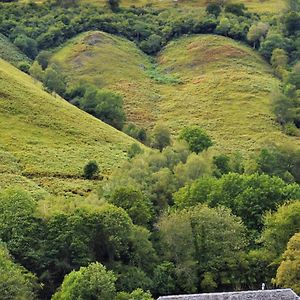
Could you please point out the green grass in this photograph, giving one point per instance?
(259, 6)
(226, 91)
(112, 62)
(221, 85)
(45, 141)
(11, 53)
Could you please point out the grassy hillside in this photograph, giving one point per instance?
(114, 63)
(225, 86)
(46, 141)
(226, 90)
(11, 53)
(260, 6)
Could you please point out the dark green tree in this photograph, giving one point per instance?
(114, 4)
(161, 137)
(104, 105)
(27, 45)
(91, 170)
(197, 139)
(214, 9)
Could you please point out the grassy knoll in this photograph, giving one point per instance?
(223, 86)
(226, 90)
(11, 53)
(45, 141)
(112, 62)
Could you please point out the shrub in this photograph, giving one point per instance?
(213, 9)
(27, 45)
(24, 67)
(134, 150)
(91, 170)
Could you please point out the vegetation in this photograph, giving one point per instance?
(91, 282)
(48, 141)
(287, 273)
(199, 193)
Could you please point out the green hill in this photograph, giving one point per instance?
(113, 62)
(225, 86)
(45, 141)
(11, 53)
(259, 6)
(226, 90)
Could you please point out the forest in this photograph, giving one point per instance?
(102, 194)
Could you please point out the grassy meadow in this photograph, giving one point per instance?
(219, 84)
(45, 141)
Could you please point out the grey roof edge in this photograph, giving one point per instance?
(179, 297)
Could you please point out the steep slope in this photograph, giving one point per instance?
(224, 86)
(112, 62)
(10, 52)
(226, 90)
(47, 141)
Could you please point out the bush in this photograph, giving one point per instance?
(91, 282)
(134, 150)
(26, 45)
(197, 139)
(213, 9)
(152, 45)
(24, 67)
(161, 137)
(104, 105)
(136, 132)
(91, 170)
(237, 9)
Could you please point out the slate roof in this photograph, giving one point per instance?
(280, 294)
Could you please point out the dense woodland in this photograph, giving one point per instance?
(177, 217)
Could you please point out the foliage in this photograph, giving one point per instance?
(288, 272)
(91, 170)
(114, 4)
(91, 282)
(132, 200)
(15, 281)
(197, 138)
(161, 137)
(280, 226)
(19, 228)
(105, 105)
(43, 59)
(53, 80)
(27, 45)
(213, 9)
(134, 150)
(164, 278)
(204, 240)
(257, 32)
(137, 294)
(282, 161)
(139, 133)
(10, 53)
(249, 196)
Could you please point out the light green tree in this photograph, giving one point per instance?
(288, 273)
(16, 283)
(88, 283)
